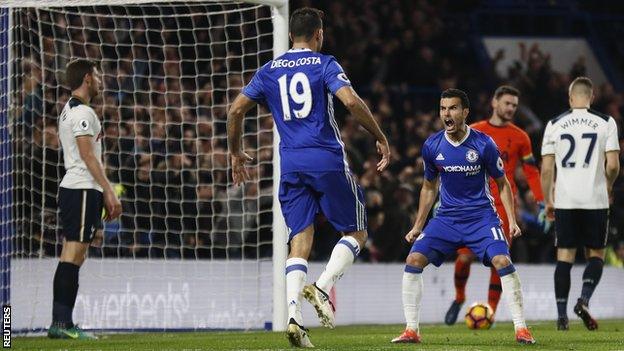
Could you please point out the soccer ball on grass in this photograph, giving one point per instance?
(479, 316)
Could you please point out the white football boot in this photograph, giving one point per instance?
(320, 300)
(298, 335)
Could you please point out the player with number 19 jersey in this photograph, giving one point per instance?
(298, 88)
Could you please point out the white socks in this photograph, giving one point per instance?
(412, 289)
(342, 257)
(512, 292)
(296, 271)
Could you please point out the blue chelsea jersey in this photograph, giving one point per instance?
(464, 168)
(298, 88)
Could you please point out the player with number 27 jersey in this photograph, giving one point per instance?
(579, 139)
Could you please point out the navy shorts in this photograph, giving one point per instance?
(304, 194)
(81, 213)
(442, 236)
(588, 228)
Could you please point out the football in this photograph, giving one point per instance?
(479, 316)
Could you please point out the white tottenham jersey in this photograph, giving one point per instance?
(78, 119)
(579, 139)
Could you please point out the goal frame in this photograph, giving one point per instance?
(279, 18)
(6, 180)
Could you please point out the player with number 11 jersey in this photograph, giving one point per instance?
(458, 163)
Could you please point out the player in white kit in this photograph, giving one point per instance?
(83, 192)
(582, 144)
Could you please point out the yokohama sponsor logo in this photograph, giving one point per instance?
(470, 168)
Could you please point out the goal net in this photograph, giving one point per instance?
(191, 250)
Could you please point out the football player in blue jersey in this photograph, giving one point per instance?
(458, 161)
(298, 88)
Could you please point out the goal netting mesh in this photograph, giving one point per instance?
(191, 250)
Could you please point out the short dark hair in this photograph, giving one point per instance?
(506, 90)
(585, 82)
(305, 21)
(456, 93)
(76, 70)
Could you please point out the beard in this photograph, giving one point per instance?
(94, 91)
(504, 115)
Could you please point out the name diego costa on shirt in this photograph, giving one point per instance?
(302, 61)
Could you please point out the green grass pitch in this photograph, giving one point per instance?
(610, 336)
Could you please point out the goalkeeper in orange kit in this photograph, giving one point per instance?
(514, 145)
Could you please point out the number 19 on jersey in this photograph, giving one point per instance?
(299, 92)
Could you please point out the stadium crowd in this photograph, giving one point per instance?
(164, 106)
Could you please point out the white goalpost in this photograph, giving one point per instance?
(191, 250)
(280, 250)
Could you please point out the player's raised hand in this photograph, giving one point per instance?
(514, 230)
(384, 150)
(412, 235)
(112, 205)
(239, 171)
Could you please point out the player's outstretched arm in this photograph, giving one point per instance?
(235, 117)
(548, 175)
(529, 167)
(111, 202)
(362, 114)
(428, 195)
(506, 195)
(531, 172)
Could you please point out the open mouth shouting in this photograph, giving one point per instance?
(449, 124)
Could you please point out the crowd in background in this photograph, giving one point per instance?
(167, 86)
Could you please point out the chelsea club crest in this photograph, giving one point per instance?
(472, 156)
